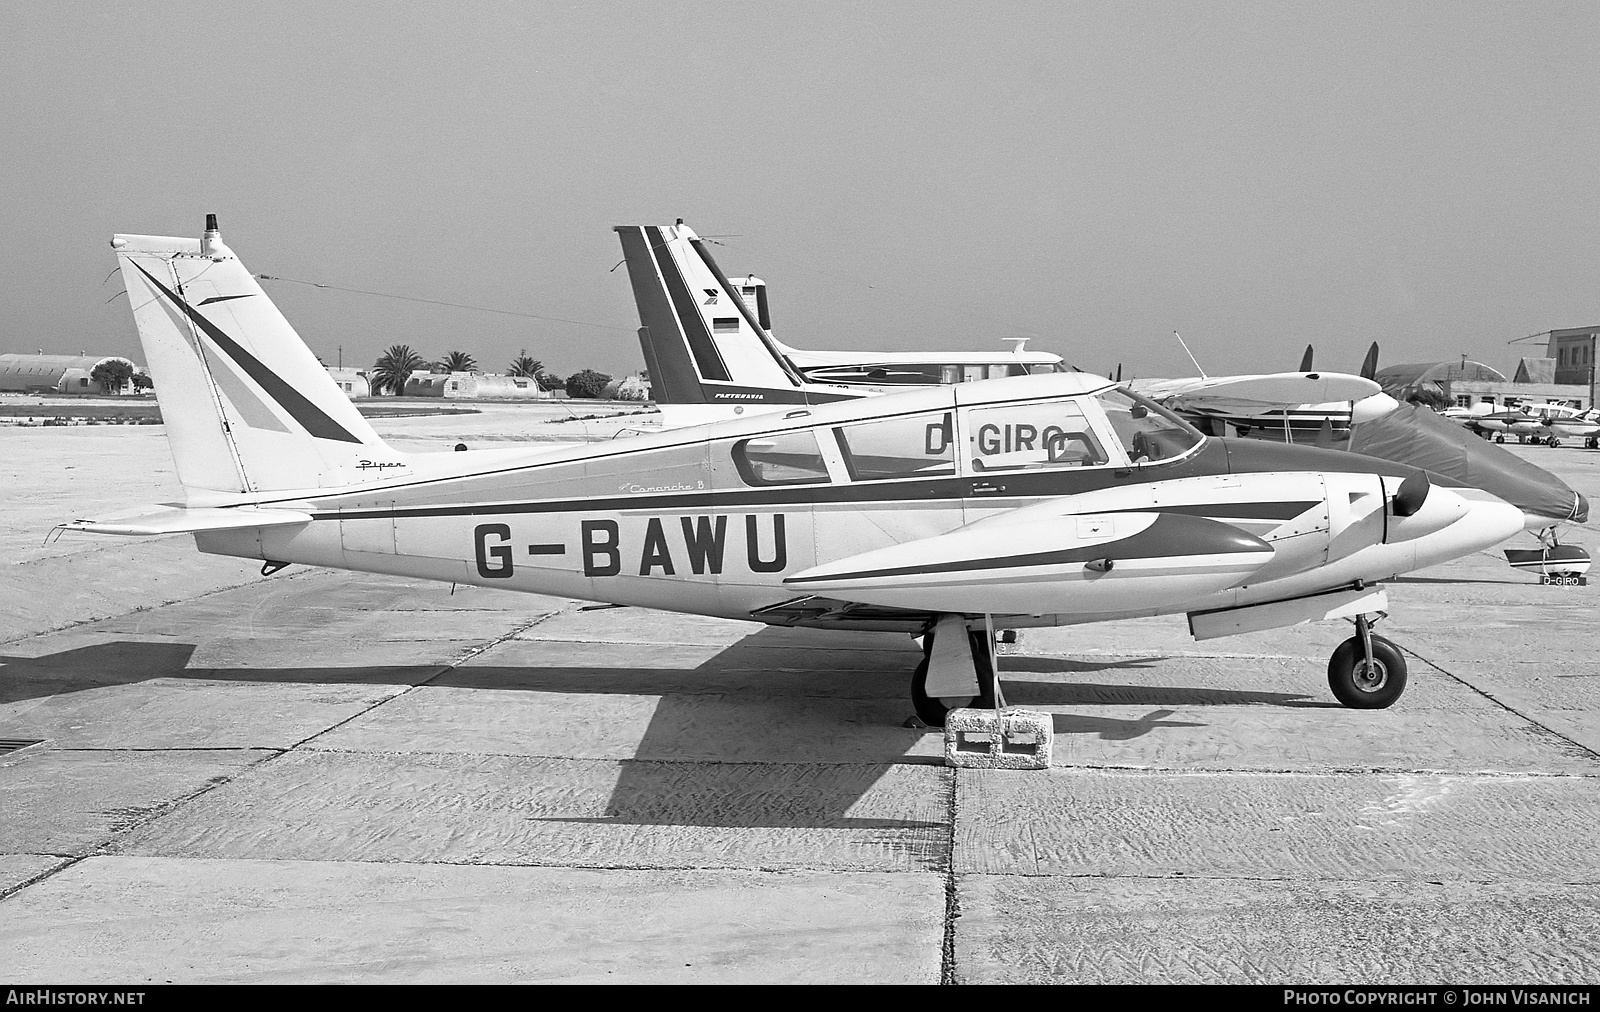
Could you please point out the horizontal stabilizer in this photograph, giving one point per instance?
(1282, 389)
(180, 520)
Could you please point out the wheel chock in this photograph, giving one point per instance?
(998, 739)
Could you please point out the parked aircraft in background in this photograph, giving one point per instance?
(943, 511)
(708, 344)
(701, 370)
(1542, 423)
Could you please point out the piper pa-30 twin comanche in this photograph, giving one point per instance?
(944, 512)
(711, 356)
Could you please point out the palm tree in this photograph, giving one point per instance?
(459, 361)
(525, 365)
(394, 367)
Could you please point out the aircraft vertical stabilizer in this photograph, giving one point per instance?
(247, 406)
(701, 341)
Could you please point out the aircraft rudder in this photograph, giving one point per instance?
(247, 405)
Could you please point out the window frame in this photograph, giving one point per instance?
(846, 455)
(1095, 420)
(743, 467)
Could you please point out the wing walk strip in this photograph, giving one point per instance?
(310, 417)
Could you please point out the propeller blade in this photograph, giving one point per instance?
(1369, 365)
(1305, 360)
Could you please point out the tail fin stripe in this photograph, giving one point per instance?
(706, 357)
(310, 417)
(744, 309)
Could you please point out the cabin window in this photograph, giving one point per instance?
(906, 446)
(785, 458)
(1146, 430)
(949, 374)
(1038, 435)
(725, 324)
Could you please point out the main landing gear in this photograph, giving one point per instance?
(1367, 672)
(955, 688)
(931, 709)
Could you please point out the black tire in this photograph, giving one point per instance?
(1500, 437)
(931, 710)
(1554, 441)
(1592, 443)
(1355, 688)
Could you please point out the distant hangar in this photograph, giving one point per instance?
(61, 374)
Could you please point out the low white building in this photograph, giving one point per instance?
(62, 374)
(353, 382)
(474, 386)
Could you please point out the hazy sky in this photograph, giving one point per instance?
(1256, 176)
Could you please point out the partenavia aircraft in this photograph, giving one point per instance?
(943, 512)
(708, 363)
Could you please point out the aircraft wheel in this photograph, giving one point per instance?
(1554, 441)
(1592, 443)
(930, 709)
(1361, 688)
(1500, 438)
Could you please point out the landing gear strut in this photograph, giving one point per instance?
(931, 710)
(1367, 672)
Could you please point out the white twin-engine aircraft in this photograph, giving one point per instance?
(944, 512)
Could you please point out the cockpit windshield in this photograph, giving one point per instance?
(1147, 431)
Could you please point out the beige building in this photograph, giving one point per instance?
(1574, 353)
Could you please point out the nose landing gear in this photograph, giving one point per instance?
(1367, 672)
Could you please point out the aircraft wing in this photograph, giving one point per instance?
(153, 520)
(1254, 392)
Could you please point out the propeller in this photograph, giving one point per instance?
(1305, 360)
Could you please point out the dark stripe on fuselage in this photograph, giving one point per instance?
(310, 417)
(1031, 486)
(1215, 457)
(701, 346)
(1169, 537)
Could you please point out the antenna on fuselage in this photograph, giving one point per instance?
(1186, 351)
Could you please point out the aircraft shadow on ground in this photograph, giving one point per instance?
(813, 706)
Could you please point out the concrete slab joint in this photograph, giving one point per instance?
(998, 739)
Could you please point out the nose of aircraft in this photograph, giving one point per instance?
(1416, 436)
